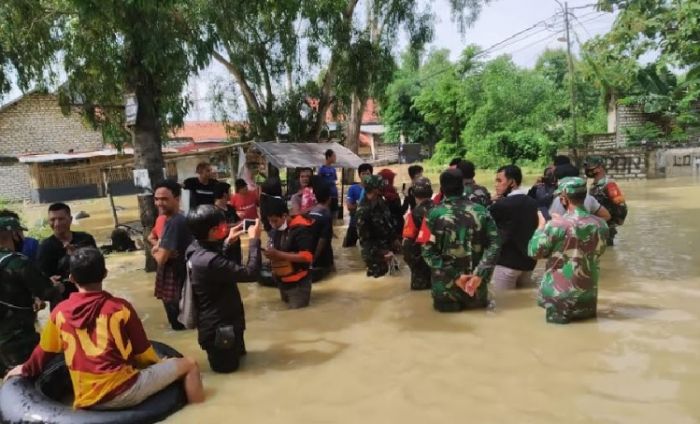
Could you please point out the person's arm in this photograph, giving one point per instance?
(491, 251)
(603, 213)
(50, 345)
(296, 204)
(143, 353)
(542, 243)
(612, 190)
(39, 284)
(304, 245)
(231, 268)
(432, 250)
(325, 238)
(46, 259)
(168, 243)
(350, 200)
(153, 238)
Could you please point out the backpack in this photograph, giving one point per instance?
(189, 313)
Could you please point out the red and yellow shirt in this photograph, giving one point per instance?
(104, 344)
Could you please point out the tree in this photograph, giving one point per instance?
(666, 28)
(107, 49)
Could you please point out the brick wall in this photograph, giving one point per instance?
(601, 141)
(629, 116)
(35, 124)
(625, 163)
(14, 179)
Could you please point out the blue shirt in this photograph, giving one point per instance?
(329, 175)
(355, 193)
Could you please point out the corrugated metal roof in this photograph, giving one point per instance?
(300, 155)
(58, 157)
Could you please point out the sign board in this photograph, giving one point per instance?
(141, 179)
(131, 108)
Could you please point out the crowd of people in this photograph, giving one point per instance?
(458, 243)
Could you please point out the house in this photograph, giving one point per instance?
(35, 124)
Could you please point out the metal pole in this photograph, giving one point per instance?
(571, 80)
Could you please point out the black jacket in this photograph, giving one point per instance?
(516, 218)
(214, 281)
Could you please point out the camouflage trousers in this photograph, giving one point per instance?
(16, 347)
(420, 271)
(563, 310)
(448, 297)
(373, 256)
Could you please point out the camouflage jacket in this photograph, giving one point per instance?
(463, 240)
(573, 246)
(20, 283)
(608, 194)
(375, 223)
(477, 194)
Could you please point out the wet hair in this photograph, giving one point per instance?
(329, 153)
(6, 213)
(87, 266)
(171, 185)
(57, 207)
(201, 220)
(277, 207)
(576, 198)
(566, 170)
(455, 161)
(365, 167)
(322, 190)
(451, 183)
(201, 166)
(467, 168)
(512, 172)
(561, 160)
(221, 189)
(414, 170)
(240, 184)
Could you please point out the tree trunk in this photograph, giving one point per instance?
(324, 103)
(357, 108)
(148, 155)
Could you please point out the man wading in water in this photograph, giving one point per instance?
(462, 249)
(607, 193)
(573, 244)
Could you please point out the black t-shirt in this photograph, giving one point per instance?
(516, 218)
(176, 238)
(200, 194)
(53, 258)
(322, 228)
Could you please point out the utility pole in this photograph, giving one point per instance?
(571, 80)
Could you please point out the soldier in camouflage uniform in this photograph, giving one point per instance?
(20, 283)
(462, 249)
(416, 234)
(375, 228)
(473, 191)
(607, 193)
(573, 244)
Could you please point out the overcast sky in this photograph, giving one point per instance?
(497, 22)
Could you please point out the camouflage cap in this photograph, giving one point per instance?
(10, 224)
(571, 185)
(373, 182)
(422, 187)
(593, 162)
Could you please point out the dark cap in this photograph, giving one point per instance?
(10, 224)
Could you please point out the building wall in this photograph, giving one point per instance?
(679, 162)
(628, 116)
(14, 179)
(626, 163)
(35, 124)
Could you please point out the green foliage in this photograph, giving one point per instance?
(491, 112)
(643, 133)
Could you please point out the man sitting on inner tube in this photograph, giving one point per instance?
(101, 370)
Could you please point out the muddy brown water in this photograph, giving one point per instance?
(373, 351)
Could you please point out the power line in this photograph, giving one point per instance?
(517, 34)
(547, 38)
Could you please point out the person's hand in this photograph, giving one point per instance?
(541, 220)
(70, 248)
(14, 372)
(461, 281)
(254, 231)
(472, 284)
(271, 253)
(235, 233)
(154, 249)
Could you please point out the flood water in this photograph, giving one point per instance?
(372, 351)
